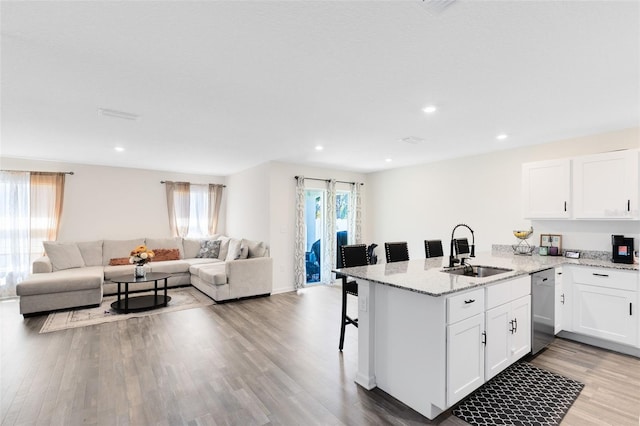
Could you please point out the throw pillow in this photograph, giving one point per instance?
(166, 243)
(224, 247)
(118, 248)
(117, 261)
(166, 254)
(91, 252)
(63, 255)
(233, 252)
(209, 249)
(256, 248)
(244, 252)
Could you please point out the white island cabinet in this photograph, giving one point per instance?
(429, 350)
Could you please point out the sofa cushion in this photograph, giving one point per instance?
(117, 271)
(169, 266)
(63, 255)
(166, 243)
(234, 250)
(118, 248)
(256, 248)
(165, 254)
(209, 249)
(213, 274)
(224, 247)
(91, 252)
(61, 281)
(191, 247)
(201, 261)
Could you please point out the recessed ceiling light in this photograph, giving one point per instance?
(119, 149)
(429, 109)
(502, 136)
(319, 147)
(388, 160)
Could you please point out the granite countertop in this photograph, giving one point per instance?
(426, 276)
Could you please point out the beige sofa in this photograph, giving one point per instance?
(76, 274)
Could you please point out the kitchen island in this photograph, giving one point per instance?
(429, 338)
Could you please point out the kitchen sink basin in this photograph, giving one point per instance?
(477, 271)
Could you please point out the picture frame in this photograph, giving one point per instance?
(553, 242)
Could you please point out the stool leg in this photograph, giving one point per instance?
(343, 321)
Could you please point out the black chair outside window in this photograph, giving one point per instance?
(351, 255)
(433, 248)
(396, 252)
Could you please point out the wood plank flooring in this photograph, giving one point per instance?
(271, 360)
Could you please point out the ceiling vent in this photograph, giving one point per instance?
(436, 7)
(413, 140)
(118, 114)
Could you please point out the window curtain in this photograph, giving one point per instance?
(178, 199)
(299, 266)
(15, 247)
(215, 199)
(46, 198)
(329, 242)
(198, 211)
(355, 214)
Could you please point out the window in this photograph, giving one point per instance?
(193, 209)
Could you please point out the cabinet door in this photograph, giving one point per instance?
(498, 339)
(465, 358)
(521, 337)
(546, 189)
(605, 186)
(607, 313)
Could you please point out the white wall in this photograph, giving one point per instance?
(112, 202)
(248, 204)
(427, 201)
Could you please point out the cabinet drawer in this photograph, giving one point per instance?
(603, 277)
(507, 291)
(465, 305)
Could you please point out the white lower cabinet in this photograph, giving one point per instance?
(508, 335)
(605, 304)
(465, 366)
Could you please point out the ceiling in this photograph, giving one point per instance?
(219, 87)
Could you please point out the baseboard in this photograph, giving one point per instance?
(601, 343)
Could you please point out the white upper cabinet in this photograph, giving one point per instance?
(546, 189)
(605, 186)
(600, 186)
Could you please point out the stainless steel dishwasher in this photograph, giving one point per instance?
(542, 309)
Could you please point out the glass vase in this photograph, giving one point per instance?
(139, 271)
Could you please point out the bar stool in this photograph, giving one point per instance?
(396, 252)
(352, 255)
(433, 248)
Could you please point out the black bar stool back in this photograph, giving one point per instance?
(433, 248)
(352, 255)
(396, 252)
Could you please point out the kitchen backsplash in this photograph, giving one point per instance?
(584, 254)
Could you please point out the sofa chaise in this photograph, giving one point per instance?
(77, 274)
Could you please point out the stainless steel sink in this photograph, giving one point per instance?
(477, 271)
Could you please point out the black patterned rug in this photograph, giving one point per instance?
(522, 395)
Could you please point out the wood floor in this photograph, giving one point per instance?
(271, 360)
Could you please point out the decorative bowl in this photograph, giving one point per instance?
(523, 235)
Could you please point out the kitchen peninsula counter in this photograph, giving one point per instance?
(426, 276)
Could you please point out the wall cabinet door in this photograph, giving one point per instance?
(465, 358)
(546, 189)
(508, 337)
(605, 186)
(607, 313)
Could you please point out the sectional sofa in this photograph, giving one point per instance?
(75, 274)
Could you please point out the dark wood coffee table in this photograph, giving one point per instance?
(140, 303)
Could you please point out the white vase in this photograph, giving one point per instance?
(139, 271)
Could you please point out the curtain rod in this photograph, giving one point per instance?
(327, 180)
(224, 186)
(35, 171)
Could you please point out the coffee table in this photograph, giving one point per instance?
(140, 303)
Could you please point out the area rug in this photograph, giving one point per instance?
(521, 395)
(181, 299)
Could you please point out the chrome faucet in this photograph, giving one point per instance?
(454, 259)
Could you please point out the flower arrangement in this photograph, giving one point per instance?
(141, 255)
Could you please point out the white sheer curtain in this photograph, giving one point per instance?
(299, 265)
(329, 237)
(198, 211)
(355, 214)
(47, 196)
(15, 247)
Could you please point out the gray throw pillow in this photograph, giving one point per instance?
(209, 249)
